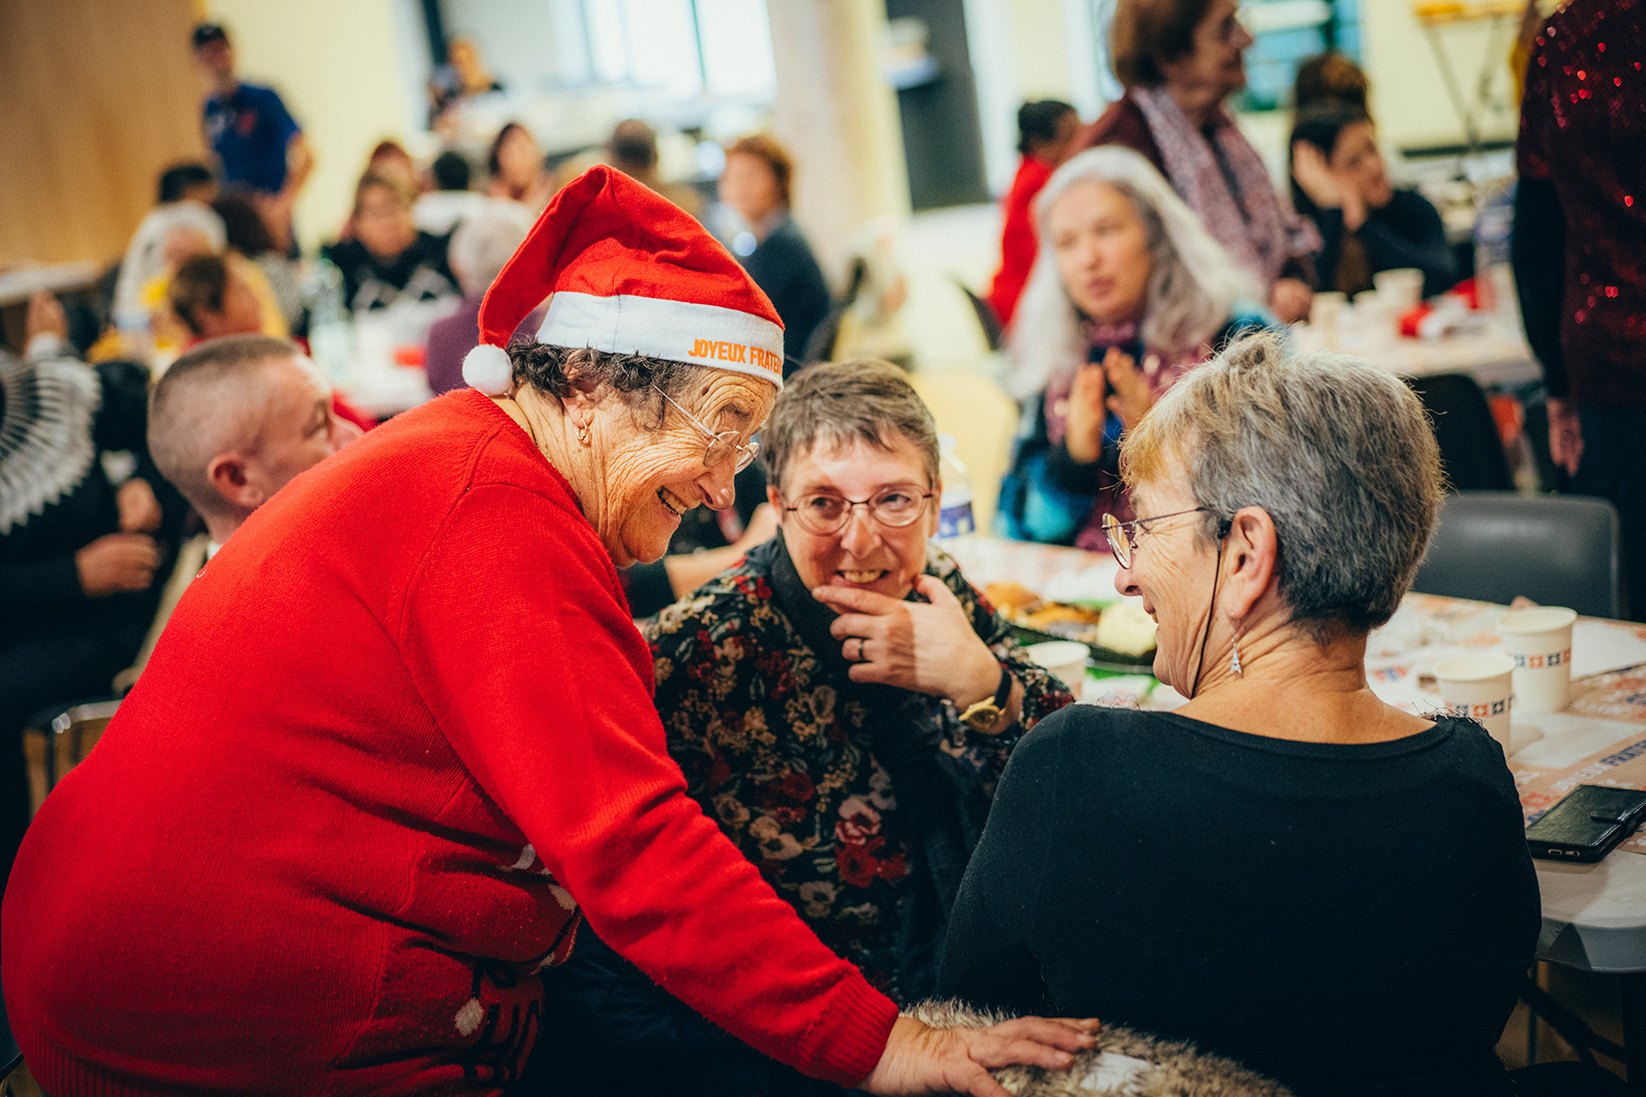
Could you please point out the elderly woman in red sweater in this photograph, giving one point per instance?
(398, 740)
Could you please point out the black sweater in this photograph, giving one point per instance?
(1408, 232)
(1346, 919)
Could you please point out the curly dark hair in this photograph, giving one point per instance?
(555, 371)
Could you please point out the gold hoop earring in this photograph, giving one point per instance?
(583, 433)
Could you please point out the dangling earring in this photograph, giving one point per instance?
(583, 433)
(1234, 658)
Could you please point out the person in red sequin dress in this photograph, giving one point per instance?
(1580, 252)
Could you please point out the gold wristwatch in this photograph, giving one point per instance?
(983, 715)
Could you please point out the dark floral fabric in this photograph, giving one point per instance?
(783, 755)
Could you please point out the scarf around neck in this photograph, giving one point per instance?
(1259, 230)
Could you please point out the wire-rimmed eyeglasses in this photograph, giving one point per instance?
(722, 443)
(894, 506)
(1123, 535)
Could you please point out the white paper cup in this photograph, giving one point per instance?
(1540, 643)
(1324, 311)
(1399, 289)
(1481, 688)
(1064, 658)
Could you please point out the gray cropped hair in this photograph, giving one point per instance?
(1338, 452)
(485, 241)
(1193, 284)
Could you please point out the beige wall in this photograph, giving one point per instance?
(1409, 98)
(840, 118)
(86, 128)
(340, 67)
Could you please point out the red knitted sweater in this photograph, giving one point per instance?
(394, 728)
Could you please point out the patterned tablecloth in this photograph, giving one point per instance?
(1599, 739)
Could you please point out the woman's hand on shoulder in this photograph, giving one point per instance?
(929, 648)
(922, 1059)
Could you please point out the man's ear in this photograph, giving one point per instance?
(775, 498)
(228, 475)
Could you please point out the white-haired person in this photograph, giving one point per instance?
(1286, 870)
(1127, 294)
(1180, 61)
(479, 247)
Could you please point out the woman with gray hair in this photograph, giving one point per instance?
(1286, 870)
(1128, 293)
(842, 702)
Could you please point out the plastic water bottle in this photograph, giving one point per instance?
(1493, 224)
(331, 331)
(136, 335)
(954, 516)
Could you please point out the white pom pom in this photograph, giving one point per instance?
(488, 369)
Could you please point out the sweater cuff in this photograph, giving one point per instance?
(847, 1041)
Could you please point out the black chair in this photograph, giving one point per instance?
(993, 330)
(1470, 448)
(1558, 550)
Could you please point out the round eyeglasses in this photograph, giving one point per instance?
(894, 507)
(722, 443)
(1123, 535)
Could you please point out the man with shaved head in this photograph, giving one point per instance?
(234, 419)
(229, 423)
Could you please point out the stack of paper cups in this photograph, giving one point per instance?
(1540, 643)
(1481, 688)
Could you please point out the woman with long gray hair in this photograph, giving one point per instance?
(1127, 294)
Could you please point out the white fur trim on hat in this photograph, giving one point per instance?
(488, 369)
(680, 331)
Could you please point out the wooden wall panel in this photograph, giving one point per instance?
(96, 98)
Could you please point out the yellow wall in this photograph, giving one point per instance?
(340, 67)
(1409, 97)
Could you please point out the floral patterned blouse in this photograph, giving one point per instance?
(797, 762)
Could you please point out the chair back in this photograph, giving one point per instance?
(1471, 450)
(993, 330)
(982, 418)
(57, 740)
(1557, 550)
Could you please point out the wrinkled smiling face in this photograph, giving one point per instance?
(1172, 571)
(863, 553)
(647, 479)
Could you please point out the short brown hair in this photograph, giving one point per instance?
(1149, 33)
(1329, 78)
(861, 398)
(199, 284)
(777, 158)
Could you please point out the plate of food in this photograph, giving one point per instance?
(1119, 633)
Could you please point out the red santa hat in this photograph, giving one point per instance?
(627, 272)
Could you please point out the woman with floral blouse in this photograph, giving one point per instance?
(842, 702)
